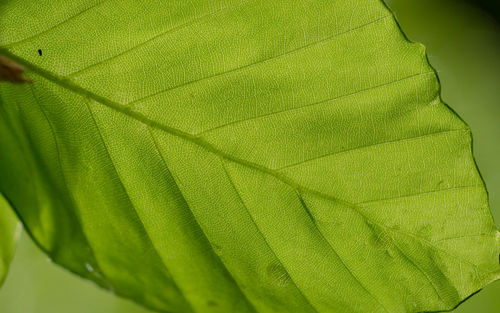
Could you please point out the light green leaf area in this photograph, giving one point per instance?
(9, 235)
(242, 156)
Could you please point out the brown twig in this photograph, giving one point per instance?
(12, 72)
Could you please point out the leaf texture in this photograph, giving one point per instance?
(242, 156)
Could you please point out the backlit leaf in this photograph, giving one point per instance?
(242, 156)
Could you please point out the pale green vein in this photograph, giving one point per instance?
(246, 66)
(418, 194)
(262, 235)
(160, 35)
(65, 184)
(324, 101)
(13, 44)
(406, 139)
(143, 227)
(415, 265)
(344, 264)
(196, 220)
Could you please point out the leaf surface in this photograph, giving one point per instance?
(242, 156)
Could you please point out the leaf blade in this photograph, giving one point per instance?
(286, 156)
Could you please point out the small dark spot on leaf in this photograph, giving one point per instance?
(211, 303)
(40, 52)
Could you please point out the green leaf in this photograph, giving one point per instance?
(242, 156)
(9, 235)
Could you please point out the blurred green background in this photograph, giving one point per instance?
(463, 43)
